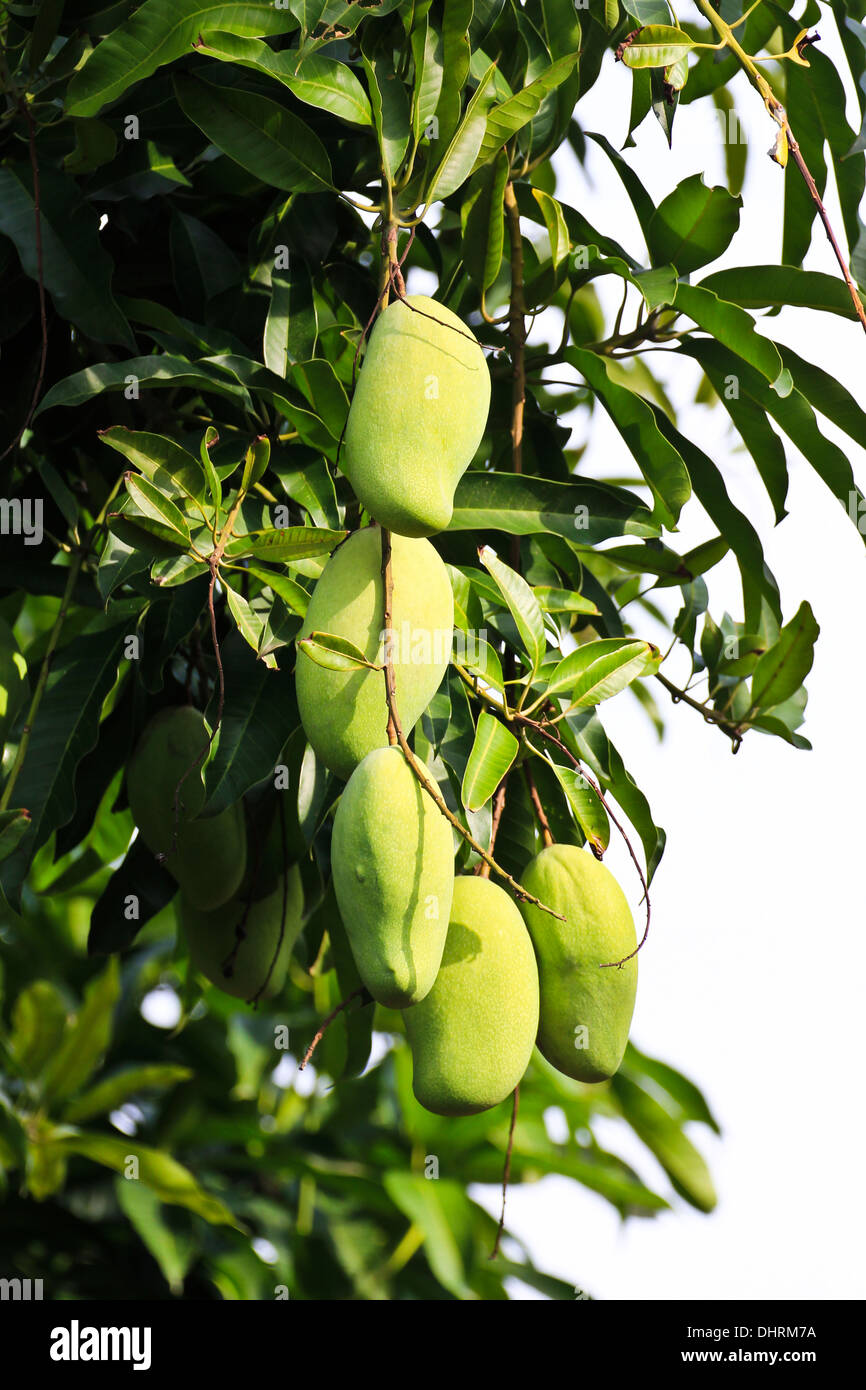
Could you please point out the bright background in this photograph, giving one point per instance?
(752, 978)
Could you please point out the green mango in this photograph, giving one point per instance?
(472, 1036)
(211, 938)
(417, 416)
(392, 860)
(345, 713)
(206, 857)
(585, 1011)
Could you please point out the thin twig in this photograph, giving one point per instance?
(506, 1172)
(546, 833)
(483, 870)
(326, 1023)
(732, 731)
(421, 772)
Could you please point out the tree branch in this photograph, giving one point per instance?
(546, 833)
(779, 115)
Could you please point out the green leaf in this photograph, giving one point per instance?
(286, 544)
(258, 134)
(13, 680)
(793, 413)
(67, 727)
(775, 286)
(321, 82)
(684, 1096)
(76, 269)
(256, 461)
(167, 1178)
(685, 1167)
(153, 503)
(173, 1252)
(522, 603)
(693, 225)
(583, 511)
(259, 714)
(588, 810)
(335, 653)
(139, 882)
(660, 463)
(640, 200)
(170, 468)
(86, 1038)
(484, 224)
(600, 669)
(38, 1025)
(656, 46)
(563, 600)
(554, 221)
(648, 11)
(319, 384)
(158, 32)
(209, 440)
(111, 1093)
(291, 327)
(459, 159)
(435, 1208)
(709, 485)
(95, 145)
(427, 55)
(782, 669)
(732, 326)
(143, 372)
(508, 117)
(249, 621)
(831, 399)
(664, 97)
(293, 595)
(390, 107)
(493, 752)
(13, 827)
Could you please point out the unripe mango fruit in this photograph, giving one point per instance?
(585, 1011)
(345, 713)
(392, 860)
(207, 857)
(211, 938)
(417, 416)
(472, 1036)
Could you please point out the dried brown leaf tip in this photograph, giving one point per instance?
(626, 43)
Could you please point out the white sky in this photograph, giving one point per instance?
(751, 981)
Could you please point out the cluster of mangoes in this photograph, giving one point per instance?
(454, 953)
(480, 979)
